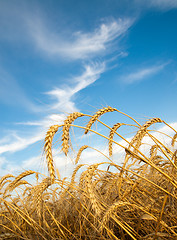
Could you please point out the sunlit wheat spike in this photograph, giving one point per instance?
(18, 178)
(142, 131)
(38, 191)
(174, 157)
(97, 115)
(110, 212)
(75, 171)
(153, 149)
(27, 190)
(80, 152)
(89, 187)
(111, 135)
(20, 182)
(174, 139)
(15, 185)
(4, 183)
(5, 177)
(65, 136)
(48, 149)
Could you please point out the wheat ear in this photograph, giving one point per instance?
(174, 139)
(65, 136)
(153, 150)
(89, 187)
(111, 135)
(97, 115)
(13, 184)
(38, 191)
(110, 212)
(48, 150)
(75, 172)
(5, 177)
(142, 131)
(80, 152)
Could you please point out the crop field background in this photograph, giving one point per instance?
(134, 197)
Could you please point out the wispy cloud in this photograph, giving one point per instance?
(143, 73)
(20, 143)
(63, 96)
(79, 45)
(63, 99)
(159, 4)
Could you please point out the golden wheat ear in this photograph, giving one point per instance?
(48, 150)
(14, 183)
(97, 115)
(142, 132)
(174, 139)
(80, 152)
(111, 135)
(65, 136)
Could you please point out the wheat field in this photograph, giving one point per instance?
(134, 197)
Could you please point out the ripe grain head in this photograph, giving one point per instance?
(111, 135)
(66, 127)
(97, 115)
(48, 149)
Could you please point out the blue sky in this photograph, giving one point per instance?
(63, 56)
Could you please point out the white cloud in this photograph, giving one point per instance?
(159, 4)
(62, 102)
(63, 96)
(78, 45)
(143, 73)
(21, 143)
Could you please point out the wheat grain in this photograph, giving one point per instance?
(111, 135)
(4, 183)
(142, 132)
(18, 178)
(89, 187)
(38, 191)
(5, 177)
(48, 150)
(65, 136)
(109, 212)
(75, 171)
(80, 152)
(97, 115)
(174, 140)
(20, 182)
(153, 150)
